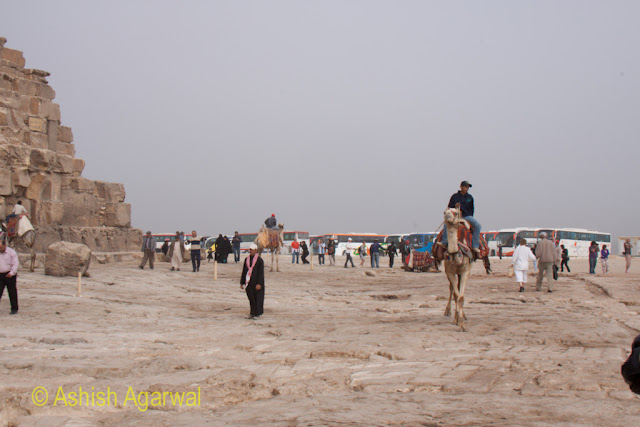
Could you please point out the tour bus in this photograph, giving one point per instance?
(160, 239)
(396, 238)
(246, 240)
(505, 239)
(577, 240)
(313, 242)
(289, 236)
(422, 242)
(491, 237)
(356, 240)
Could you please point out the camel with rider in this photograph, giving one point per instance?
(271, 240)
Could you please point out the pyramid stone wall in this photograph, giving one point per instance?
(39, 167)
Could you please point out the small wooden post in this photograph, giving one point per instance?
(79, 284)
(215, 270)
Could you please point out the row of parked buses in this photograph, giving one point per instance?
(575, 240)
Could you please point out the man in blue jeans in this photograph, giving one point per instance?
(465, 201)
(235, 242)
(375, 253)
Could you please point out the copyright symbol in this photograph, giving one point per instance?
(40, 396)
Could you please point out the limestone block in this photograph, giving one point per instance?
(12, 155)
(50, 110)
(9, 99)
(27, 87)
(110, 192)
(66, 259)
(81, 184)
(63, 163)
(80, 209)
(6, 189)
(65, 134)
(118, 215)
(21, 178)
(3, 117)
(37, 124)
(13, 56)
(49, 212)
(66, 149)
(45, 91)
(41, 160)
(37, 140)
(78, 166)
(35, 186)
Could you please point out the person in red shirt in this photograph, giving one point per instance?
(295, 252)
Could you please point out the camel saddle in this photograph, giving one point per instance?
(12, 226)
(273, 238)
(464, 244)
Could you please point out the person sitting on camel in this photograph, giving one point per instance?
(271, 222)
(464, 201)
(18, 210)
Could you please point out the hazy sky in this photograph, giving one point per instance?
(344, 116)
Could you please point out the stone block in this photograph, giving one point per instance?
(3, 118)
(80, 209)
(50, 110)
(118, 215)
(13, 56)
(36, 124)
(65, 134)
(41, 160)
(45, 91)
(21, 178)
(6, 187)
(78, 166)
(52, 133)
(110, 192)
(63, 163)
(65, 148)
(36, 140)
(34, 105)
(49, 212)
(66, 259)
(82, 185)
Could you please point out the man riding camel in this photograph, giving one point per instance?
(464, 201)
(18, 210)
(271, 222)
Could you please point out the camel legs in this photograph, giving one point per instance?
(460, 300)
(447, 311)
(277, 253)
(29, 239)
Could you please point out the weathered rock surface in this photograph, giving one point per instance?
(66, 259)
(37, 156)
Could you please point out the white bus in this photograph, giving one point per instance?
(289, 236)
(356, 240)
(396, 238)
(578, 240)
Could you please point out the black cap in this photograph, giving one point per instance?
(466, 183)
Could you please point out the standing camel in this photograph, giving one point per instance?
(28, 237)
(272, 240)
(457, 265)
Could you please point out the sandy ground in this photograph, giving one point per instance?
(335, 346)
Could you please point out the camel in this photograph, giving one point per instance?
(457, 266)
(271, 244)
(28, 237)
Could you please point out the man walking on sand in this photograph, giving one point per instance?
(547, 256)
(195, 251)
(176, 252)
(252, 281)
(8, 272)
(627, 254)
(348, 251)
(148, 250)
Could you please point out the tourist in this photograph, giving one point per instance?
(627, 254)
(235, 243)
(406, 252)
(464, 201)
(604, 259)
(392, 251)
(195, 251)
(546, 255)
(362, 251)
(219, 248)
(520, 261)
(375, 253)
(565, 259)
(165, 247)
(271, 222)
(252, 281)
(321, 250)
(148, 250)
(535, 263)
(305, 252)
(401, 250)
(176, 255)
(593, 257)
(348, 251)
(8, 273)
(295, 252)
(331, 251)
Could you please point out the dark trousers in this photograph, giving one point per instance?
(592, 265)
(563, 264)
(320, 259)
(256, 299)
(10, 283)
(195, 259)
(391, 256)
(304, 257)
(236, 254)
(347, 261)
